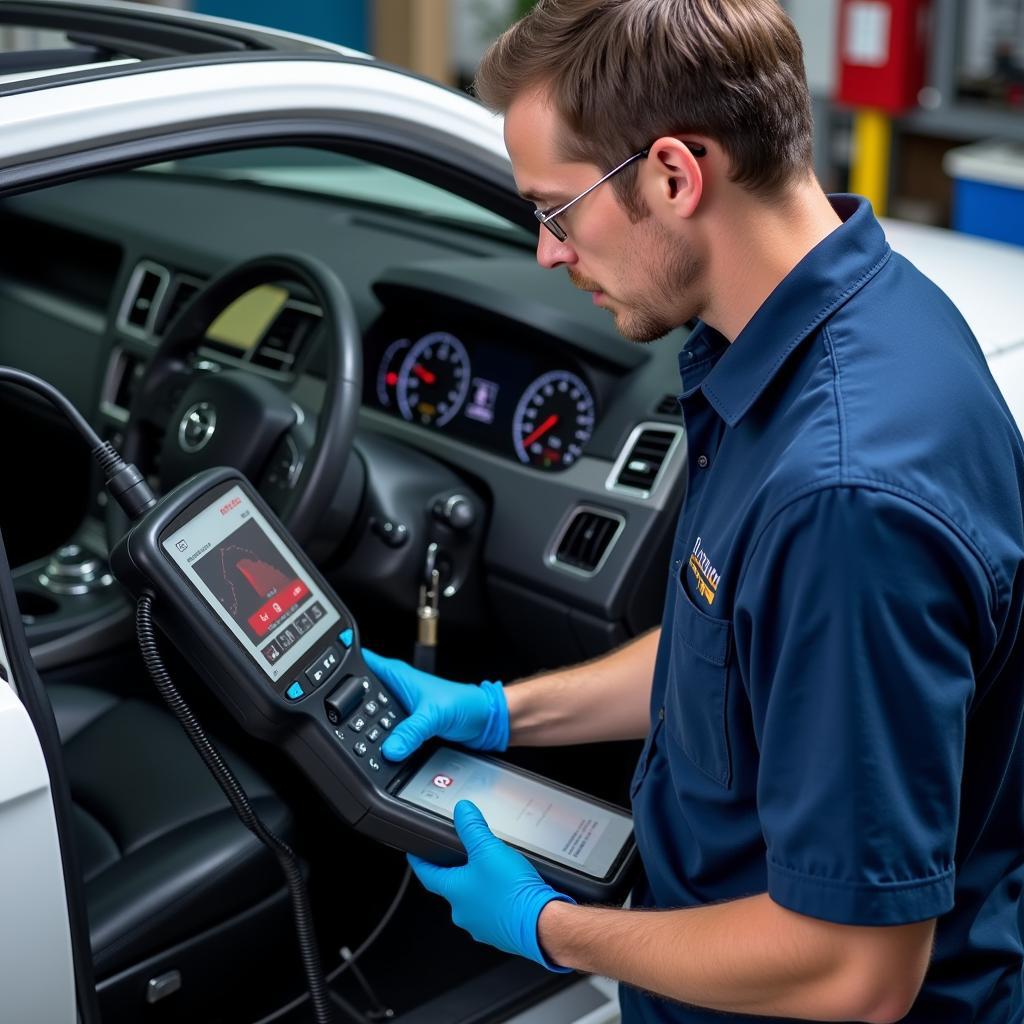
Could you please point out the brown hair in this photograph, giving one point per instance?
(621, 73)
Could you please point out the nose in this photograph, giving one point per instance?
(551, 252)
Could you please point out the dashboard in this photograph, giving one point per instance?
(482, 373)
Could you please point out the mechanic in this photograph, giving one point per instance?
(829, 803)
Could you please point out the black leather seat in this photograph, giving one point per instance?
(164, 857)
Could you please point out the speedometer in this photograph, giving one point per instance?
(433, 380)
(554, 420)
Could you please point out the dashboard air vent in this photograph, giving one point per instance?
(668, 406)
(181, 291)
(142, 298)
(586, 540)
(124, 371)
(286, 337)
(637, 469)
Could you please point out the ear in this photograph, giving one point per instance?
(677, 183)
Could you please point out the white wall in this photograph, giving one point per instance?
(817, 21)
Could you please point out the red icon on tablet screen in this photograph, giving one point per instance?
(443, 781)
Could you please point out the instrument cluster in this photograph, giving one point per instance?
(529, 405)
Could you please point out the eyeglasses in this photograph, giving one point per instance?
(549, 217)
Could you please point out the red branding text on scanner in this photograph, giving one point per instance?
(233, 503)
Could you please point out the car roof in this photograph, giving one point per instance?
(115, 33)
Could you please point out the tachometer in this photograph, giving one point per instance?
(554, 420)
(387, 378)
(434, 379)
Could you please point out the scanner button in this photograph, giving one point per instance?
(371, 707)
(323, 668)
(343, 700)
(373, 735)
(373, 763)
(383, 699)
(386, 721)
(346, 637)
(330, 659)
(357, 724)
(295, 691)
(316, 675)
(360, 748)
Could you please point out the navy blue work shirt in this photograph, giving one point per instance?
(837, 698)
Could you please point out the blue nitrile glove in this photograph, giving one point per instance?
(497, 895)
(475, 716)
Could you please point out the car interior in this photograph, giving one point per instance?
(494, 428)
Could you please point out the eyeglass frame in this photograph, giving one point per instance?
(547, 218)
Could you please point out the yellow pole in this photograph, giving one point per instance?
(872, 151)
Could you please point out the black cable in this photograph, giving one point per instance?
(52, 395)
(124, 482)
(379, 1011)
(381, 925)
(345, 964)
(239, 801)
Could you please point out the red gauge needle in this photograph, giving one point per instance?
(541, 430)
(424, 375)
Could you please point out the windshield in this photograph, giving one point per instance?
(345, 177)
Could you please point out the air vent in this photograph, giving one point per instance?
(124, 372)
(182, 289)
(586, 540)
(142, 298)
(286, 337)
(646, 452)
(668, 406)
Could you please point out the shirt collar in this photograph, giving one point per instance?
(833, 271)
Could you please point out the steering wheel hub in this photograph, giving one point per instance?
(197, 427)
(232, 418)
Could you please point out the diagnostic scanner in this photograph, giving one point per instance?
(281, 651)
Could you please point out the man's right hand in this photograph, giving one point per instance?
(474, 715)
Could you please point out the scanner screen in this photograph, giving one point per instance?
(524, 811)
(233, 557)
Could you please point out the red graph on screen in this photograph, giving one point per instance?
(252, 580)
(263, 578)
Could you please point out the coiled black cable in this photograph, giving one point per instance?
(351, 960)
(318, 992)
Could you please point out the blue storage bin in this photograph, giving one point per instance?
(988, 190)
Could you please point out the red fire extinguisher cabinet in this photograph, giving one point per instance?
(883, 53)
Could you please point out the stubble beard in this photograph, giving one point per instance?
(672, 282)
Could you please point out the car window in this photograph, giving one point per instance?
(345, 177)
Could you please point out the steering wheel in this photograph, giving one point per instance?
(203, 417)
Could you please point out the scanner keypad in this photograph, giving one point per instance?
(369, 713)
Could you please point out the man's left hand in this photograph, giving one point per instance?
(497, 895)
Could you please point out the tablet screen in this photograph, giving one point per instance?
(523, 811)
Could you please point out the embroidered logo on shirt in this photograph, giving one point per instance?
(704, 573)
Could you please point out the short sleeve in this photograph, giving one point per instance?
(855, 621)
